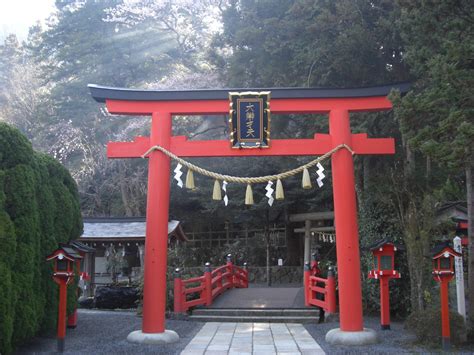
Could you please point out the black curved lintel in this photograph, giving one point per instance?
(102, 93)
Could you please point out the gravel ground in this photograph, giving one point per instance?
(396, 340)
(105, 332)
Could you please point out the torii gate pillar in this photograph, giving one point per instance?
(158, 200)
(156, 244)
(345, 219)
(351, 331)
(161, 105)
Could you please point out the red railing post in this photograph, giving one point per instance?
(314, 265)
(246, 275)
(178, 292)
(208, 284)
(331, 291)
(307, 290)
(230, 270)
(219, 279)
(72, 318)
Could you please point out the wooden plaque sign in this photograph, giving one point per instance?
(249, 119)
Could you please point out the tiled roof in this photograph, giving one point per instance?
(117, 229)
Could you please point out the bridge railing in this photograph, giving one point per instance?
(318, 291)
(208, 286)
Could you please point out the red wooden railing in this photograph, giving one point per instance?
(208, 286)
(320, 292)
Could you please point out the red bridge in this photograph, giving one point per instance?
(202, 290)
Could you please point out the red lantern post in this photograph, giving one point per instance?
(443, 272)
(64, 258)
(384, 270)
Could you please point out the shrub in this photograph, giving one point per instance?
(427, 326)
(39, 208)
(377, 221)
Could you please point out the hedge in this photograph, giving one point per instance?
(39, 208)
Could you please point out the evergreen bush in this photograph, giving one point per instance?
(377, 221)
(39, 208)
(426, 325)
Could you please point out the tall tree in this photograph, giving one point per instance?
(437, 115)
(80, 47)
(23, 93)
(310, 43)
(314, 43)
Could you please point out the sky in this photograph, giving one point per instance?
(16, 16)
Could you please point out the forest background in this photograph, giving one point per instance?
(187, 44)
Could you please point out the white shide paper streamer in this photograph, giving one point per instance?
(224, 188)
(269, 193)
(177, 175)
(321, 175)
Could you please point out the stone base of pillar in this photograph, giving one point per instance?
(167, 337)
(339, 337)
(446, 342)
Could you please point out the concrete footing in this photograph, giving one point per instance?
(167, 337)
(340, 337)
(446, 342)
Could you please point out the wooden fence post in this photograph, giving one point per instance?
(246, 274)
(208, 284)
(307, 290)
(230, 269)
(331, 291)
(178, 292)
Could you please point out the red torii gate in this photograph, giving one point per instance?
(162, 105)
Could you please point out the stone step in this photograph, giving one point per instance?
(254, 319)
(257, 312)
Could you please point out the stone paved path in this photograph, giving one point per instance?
(252, 338)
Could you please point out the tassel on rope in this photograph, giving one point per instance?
(306, 183)
(190, 180)
(249, 195)
(216, 194)
(279, 194)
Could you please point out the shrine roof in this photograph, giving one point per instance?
(70, 251)
(438, 248)
(123, 229)
(82, 247)
(102, 93)
(380, 243)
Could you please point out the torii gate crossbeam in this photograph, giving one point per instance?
(162, 105)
